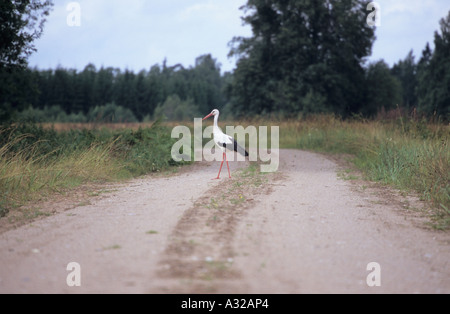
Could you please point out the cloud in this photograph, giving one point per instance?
(405, 6)
(139, 33)
(406, 25)
(416, 8)
(202, 10)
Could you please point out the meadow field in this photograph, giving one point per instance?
(37, 161)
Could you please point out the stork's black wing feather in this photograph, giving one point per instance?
(235, 147)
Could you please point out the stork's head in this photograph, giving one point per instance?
(215, 112)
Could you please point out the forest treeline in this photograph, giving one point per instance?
(116, 95)
(303, 58)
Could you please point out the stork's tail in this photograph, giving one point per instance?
(238, 148)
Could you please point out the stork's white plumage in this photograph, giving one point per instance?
(224, 141)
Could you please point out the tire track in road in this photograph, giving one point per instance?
(200, 255)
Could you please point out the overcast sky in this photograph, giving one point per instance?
(137, 34)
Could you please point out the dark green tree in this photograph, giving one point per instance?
(62, 89)
(406, 72)
(206, 84)
(433, 90)
(21, 22)
(125, 90)
(17, 90)
(142, 99)
(86, 88)
(383, 89)
(302, 51)
(104, 86)
(156, 93)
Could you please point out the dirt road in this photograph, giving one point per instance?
(305, 229)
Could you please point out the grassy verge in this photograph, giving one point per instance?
(408, 155)
(37, 161)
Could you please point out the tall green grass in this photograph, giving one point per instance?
(35, 161)
(407, 154)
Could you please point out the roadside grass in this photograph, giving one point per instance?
(406, 154)
(36, 162)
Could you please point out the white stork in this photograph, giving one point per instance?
(224, 141)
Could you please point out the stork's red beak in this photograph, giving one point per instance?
(207, 116)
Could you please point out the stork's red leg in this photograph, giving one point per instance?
(225, 156)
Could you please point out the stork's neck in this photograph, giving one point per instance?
(216, 118)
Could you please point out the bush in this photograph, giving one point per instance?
(49, 115)
(174, 109)
(111, 113)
